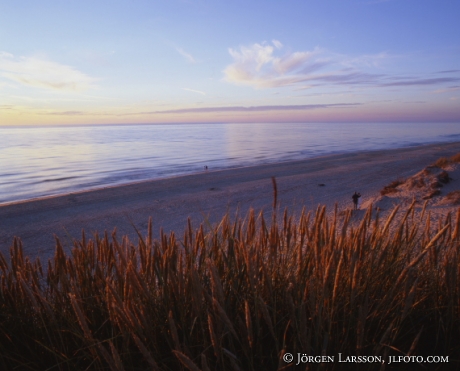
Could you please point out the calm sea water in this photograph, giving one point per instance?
(43, 161)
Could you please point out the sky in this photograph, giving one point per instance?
(186, 61)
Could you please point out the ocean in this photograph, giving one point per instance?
(44, 161)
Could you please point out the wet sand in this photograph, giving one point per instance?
(207, 196)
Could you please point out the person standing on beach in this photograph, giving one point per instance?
(355, 198)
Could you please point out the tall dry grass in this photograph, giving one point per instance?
(442, 162)
(238, 297)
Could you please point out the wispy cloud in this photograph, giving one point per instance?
(75, 113)
(419, 82)
(42, 73)
(366, 60)
(194, 91)
(304, 87)
(66, 113)
(257, 66)
(277, 44)
(262, 66)
(186, 55)
(233, 109)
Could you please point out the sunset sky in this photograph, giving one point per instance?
(162, 61)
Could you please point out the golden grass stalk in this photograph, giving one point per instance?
(187, 362)
(237, 295)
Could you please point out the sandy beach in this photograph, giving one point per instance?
(208, 195)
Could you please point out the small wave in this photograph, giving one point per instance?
(451, 136)
(58, 179)
(120, 154)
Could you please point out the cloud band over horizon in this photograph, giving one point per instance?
(192, 61)
(40, 72)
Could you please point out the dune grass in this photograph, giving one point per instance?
(238, 297)
(454, 197)
(391, 188)
(442, 162)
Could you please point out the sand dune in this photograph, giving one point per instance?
(434, 191)
(207, 196)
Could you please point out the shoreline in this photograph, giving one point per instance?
(141, 157)
(196, 173)
(208, 195)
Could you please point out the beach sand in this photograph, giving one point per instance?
(207, 196)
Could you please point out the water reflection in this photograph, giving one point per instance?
(45, 161)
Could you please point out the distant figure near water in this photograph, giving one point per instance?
(355, 198)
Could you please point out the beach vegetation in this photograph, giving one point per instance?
(442, 162)
(454, 197)
(238, 296)
(392, 187)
